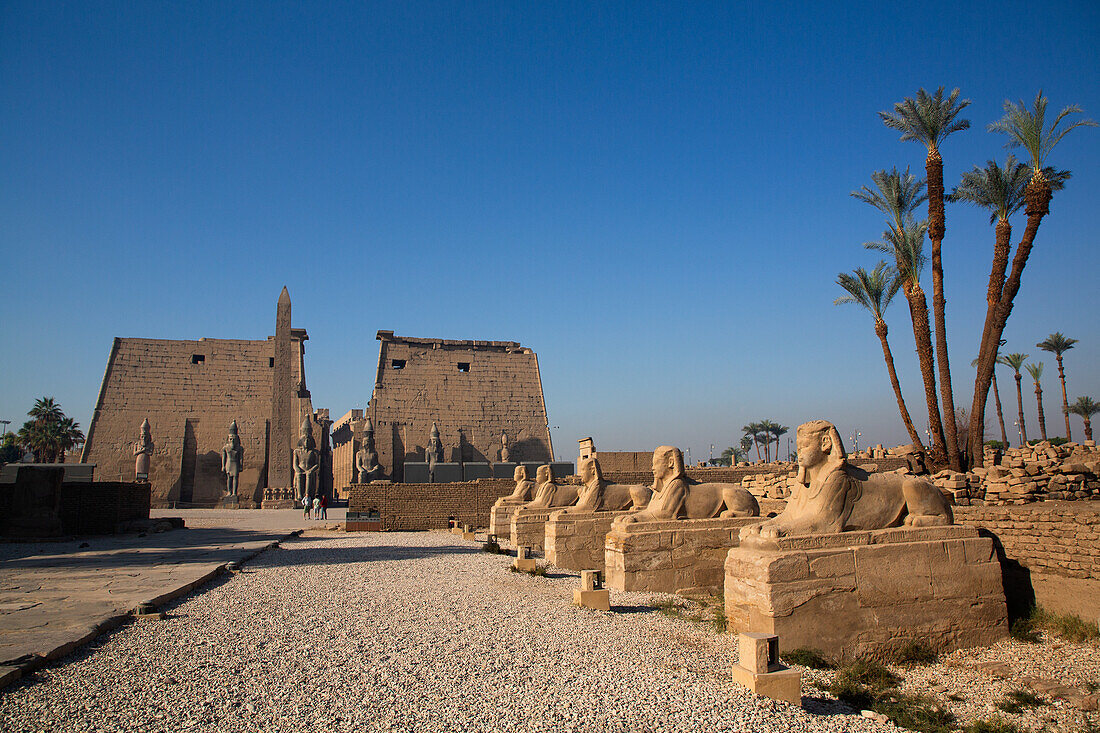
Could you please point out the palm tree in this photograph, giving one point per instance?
(1086, 408)
(1036, 372)
(752, 430)
(1025, 128)
(874, 291)
(731, 456)
(777, 431)
(45, 411)
(897, 195)
(997, 402)
(1016, 362)
(1058, 344)
(908, 251)
(69, 435)
(928, 120)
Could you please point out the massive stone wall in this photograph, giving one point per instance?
(429, 506)
(346, 439)
(471, 389)
(190, 391)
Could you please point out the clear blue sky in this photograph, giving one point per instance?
(653, 197)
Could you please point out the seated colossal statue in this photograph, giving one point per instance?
(596, 495)
(675, 496)
(834, 496)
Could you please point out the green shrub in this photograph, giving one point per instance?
(915, 652)
(915, 713)
(492, 548)
(719, 620)
(996, 444)
(996, 724)
(1023, 629)
(807, 658)
(870, 673)
(1067, 626)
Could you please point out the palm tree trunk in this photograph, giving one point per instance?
(1042, 417)
(937, 228)
(918, 310)
(1000, 415)
(881, 331)
(1020, 404)
(1065, 402)
(1088, 428)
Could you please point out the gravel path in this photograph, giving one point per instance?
(416, 631)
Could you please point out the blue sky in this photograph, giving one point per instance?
(653, 197)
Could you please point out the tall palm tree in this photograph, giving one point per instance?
(1016, 362)
(1058, 344)
(766, 438)
(1036, 372)
(874, 291)
(907, 247)
(1025, 127)
(897, 195)
(928, 120)
(752, 430)
(746, 444)
(45, 410)
(69, 435)
(997, 402)
(777, 431)
(1086, 408)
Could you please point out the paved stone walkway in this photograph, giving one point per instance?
(57, 596)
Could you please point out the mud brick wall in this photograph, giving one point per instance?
(189, 406)
(429, 506)
(625, 462)
(471, 389)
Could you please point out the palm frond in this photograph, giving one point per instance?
(1035, 370)
(1056, 343)
(929, 118)
(1025, 127)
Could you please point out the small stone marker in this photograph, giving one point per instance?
(468, 532)
(455, 527)
(758, 669)
(592, 594)
(523, 560)
(147, 611)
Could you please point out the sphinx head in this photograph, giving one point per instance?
(819, 444)
(544, 475)
(589, 471)
(520, 474)
(668, 463)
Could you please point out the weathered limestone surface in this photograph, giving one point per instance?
(575, 540)
(527, 526)
(864, 593)
(666, 556)
(500, 518)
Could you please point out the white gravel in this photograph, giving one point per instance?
(404, 631)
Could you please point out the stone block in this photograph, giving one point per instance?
(504, 470)
(447, 473)
(784, 684)
(527, 527)
(575, 540)
(597, 599)
(416, 472)
(474, 471)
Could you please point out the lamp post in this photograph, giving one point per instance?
(1019, 432)
(5, 423)
(858, 436)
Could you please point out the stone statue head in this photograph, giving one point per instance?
(306, 436)
(146, 435)
(668, 464)
(819, 444)
(544, 475)
(589, 470)
(234, 437)
(520, 474)
(503, 439)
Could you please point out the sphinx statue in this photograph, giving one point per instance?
(307, 463)
(675, 496)
(834, 496)
(433, 454)
(597, 495)
(232, 460)
(548, 494)
(521, 494)
(367, 468)
(143, 450)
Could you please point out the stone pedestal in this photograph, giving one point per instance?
(500, 518)
(524, 561)
(592, 594)
(575, 540)
(856, 594)
(663, 557)
(528, 526)
(758, 669)
(276, 498)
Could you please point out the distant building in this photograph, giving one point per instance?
(190, 391)
(473, 390)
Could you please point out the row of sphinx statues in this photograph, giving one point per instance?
(833, 495)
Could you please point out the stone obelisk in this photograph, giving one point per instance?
(282, 386)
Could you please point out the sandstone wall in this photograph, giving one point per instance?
(429, 506)
(471, 389)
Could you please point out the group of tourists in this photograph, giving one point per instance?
(316, 509)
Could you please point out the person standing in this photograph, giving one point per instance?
(324, 507)
(316, 507)
(306, 506)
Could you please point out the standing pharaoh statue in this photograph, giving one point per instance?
(232, 460)
(504, 453)
(433, 454)
(143, 449)
(307, 463)
(367, 467)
